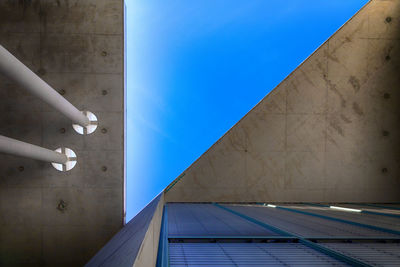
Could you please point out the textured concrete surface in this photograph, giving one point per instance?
(147, 255)
(77, 47)
(328, 133)
(136, 242)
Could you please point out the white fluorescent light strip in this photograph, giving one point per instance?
(271, 206)
(344, 209)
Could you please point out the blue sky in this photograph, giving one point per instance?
(195, 67)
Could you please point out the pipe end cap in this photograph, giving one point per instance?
(84, 130)
(70, 164)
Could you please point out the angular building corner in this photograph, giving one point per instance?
(136, 244)
(328, 133)
(311, 175)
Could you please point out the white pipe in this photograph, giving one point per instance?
(17, 71)
(18, 148)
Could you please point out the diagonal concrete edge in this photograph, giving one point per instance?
(147, 255)
(329, 132)
(131, 243)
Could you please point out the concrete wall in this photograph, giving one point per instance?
(147, 255)
(77, 47)
(328, 133)
(137, 243)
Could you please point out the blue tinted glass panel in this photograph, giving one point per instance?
(375, 254)
(361, 217)
(306, 225)
(247, 254)
(209, 220)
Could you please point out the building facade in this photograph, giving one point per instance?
(310, 176)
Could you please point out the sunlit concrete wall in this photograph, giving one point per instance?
(77, 47)
(328, 133)
(137, 243)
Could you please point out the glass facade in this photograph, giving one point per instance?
(279, 235)
(247, 254)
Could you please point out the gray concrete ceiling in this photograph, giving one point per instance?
(77, 47)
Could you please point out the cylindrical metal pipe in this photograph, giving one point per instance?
(17, 71)
(19, 148)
